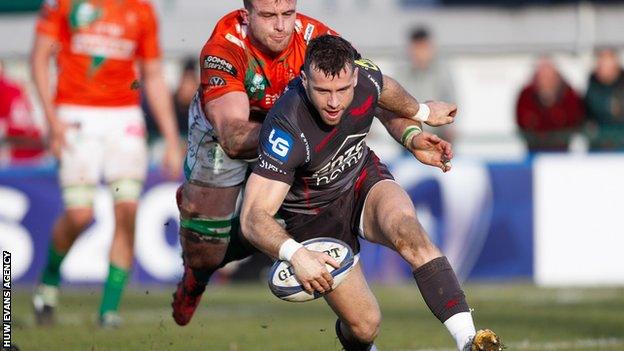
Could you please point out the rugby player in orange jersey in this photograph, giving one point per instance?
(97, 127)
(245, 66)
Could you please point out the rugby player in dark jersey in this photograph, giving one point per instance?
(316, 170)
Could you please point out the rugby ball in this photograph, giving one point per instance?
(284, 284)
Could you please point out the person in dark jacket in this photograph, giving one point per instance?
(605, 103)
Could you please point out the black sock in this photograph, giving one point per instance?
(440, 289)
(202, 276)
(349, 344)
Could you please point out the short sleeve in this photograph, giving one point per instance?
(148, 46)
(280, 150)
(222, 71)
(50, 19)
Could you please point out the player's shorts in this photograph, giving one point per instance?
(206, 164)
(341, 218)
(103, 142)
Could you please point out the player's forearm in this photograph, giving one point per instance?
(394, 124)
(161, 105)
(396, 99)
(240, 139)
(263, 231)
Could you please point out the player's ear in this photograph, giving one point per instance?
(304, 78)
(244, 13)
(355, 75)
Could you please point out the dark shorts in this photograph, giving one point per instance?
(341, 218)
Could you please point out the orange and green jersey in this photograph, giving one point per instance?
(229, 62)
(100, 42)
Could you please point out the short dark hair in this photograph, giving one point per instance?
(329, 54)
(248, 6)
(189, 64)
(420, 33)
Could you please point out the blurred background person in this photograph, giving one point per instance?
(97, 127)
(548, 110)
(427, 75)
(183, 95)
(605, 103)
(21, 139)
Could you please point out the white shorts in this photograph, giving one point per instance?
(206, 163)
(102, 143)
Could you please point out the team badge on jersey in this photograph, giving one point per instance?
(278, 145)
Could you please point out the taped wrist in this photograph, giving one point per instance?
(440, 289)
(423, 113)
(408, 134)
(288, 249)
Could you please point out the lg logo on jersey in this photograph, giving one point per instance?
(280, 143)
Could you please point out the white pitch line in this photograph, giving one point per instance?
(582, 344)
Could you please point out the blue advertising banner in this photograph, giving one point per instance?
(479, 214)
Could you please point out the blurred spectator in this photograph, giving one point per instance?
(187, 87)
(548, 111)
(21, 138)
(182, 96)
(427, 77)
(605, 103)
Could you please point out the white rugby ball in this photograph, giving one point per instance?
(284, 284)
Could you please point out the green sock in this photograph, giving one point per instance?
(113, 289)
(52, 271)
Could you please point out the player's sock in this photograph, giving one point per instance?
(461, 327)
(52, 271)
(350, 344)
(202, 276)
(113, 289)
(444, 297)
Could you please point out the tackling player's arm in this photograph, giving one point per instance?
(426, 147)
(263, 198)
(225, 101)
(236, 132)
(396, 99)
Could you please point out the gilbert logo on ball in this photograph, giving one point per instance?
(284, 284)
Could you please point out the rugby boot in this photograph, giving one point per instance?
(484, 340)
(186, 297)
(44, 303)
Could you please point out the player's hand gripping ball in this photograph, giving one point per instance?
(284, 284)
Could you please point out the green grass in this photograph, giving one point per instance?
(248, 317)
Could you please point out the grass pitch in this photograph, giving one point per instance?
(248, 317)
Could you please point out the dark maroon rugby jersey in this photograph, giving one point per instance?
(320, 162)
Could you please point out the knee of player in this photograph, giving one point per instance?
(209, 259)
(80, 219)
(366, 328)
(408, 230)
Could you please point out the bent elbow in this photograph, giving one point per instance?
(232, 151)
(246, 225)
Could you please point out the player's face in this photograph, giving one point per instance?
(271, 24)
(330, 95)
